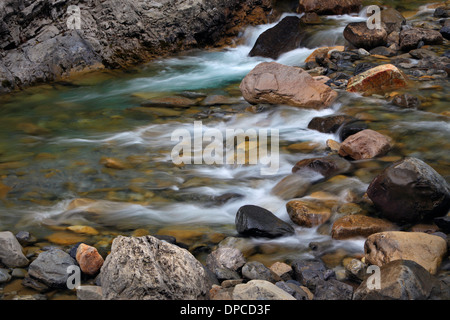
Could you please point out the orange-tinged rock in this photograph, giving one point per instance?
(359, 226)
(322, 52)
(113, 163)
(65, 238)
(308, 213)
(89, 259)
(83, 230)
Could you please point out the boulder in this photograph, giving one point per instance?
(443, 223)
(329, 7)
(366, 144)
(359, 226)
(425, 249)
(392, 19)
(283, 37)
(254, 221)
(360, 36)
(410, 38)
(89, 260)
(11, 254)
(146, 268)
(327, 166)
(260, 290)
(308, 213)
(274, 83)
(410, 191)
(380, 79)
(445, 32)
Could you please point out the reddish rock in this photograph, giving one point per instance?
(365, 144)
(359, 226)
(329, 6)
(89, 259)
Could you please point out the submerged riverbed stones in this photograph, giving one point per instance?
(366, 144)
(351, 226)
(146, 268)
(274, 83)
(410, 191)
(425, 249)
(254, 221)
(11, 254)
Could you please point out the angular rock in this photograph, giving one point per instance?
(309, 272)
(4, 275)
(308, 213)
(366, 144)
(11, 254)
(425, 249)
(360, 36)
(392, 19)
(50, 268)
(283, 270)
(298, 292)
(146, 268)
(410, 38)
(380, 79)
(333, 290)
(274, 83)
(407, 101)
(356, 270)
(254, 221)
(260, 290)
(25, 238)
(329, 124)
(89, 293)
(283, 37)
(327, 166)
(352, 226)
(225, 257)
(89, 260)
(255, 270)
(410, 191)
(329, 7)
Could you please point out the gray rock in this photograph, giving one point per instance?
(11, 254)
(25, 238)
(260, 290)
(146, 268)
(4, 275)
(89, 293)
(255, 270)
(309, 272)
(34, 284)
(356, 270)
(294, 290)
(333, 290)
(50, 268)
(19, 273)
(411, 38)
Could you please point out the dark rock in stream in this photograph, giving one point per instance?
(328, 124)
(407, 101)
(411, 38)
(359, 35)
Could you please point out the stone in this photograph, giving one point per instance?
(220, 293)
(19, 273)
(322, 53)
(298, 292)
(422, 53)
(35, 284)
(25, 238)
(351, 128)
(255, 270)
(283, 270)
(380, 79)
(329, 7)
(146, 268)
(89, 293)
(392, 19)
(425, 249)
(89, 260)
(311, 18)
(169, 102)
(383, 51)
(333, 290)
(308, 213)
(443, 223)
(260, 290)
(356, 270)
(360, 36)
(406, 100)
(352, 226)
(225, 258)
(50, 268)
(366, 144)
(410, 38)
(445, 32)
(283, 37)
(291, 186)
(400, 280)
(4, 275)
(11, 254)
(410, 191)
(442, 12)
(83, 230)
(254, 221)
(309, 272)
(274, 83)
(65, 238)
(327, 166)
(328, 124)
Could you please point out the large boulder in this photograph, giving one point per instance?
(410, 38)
(11, 254)
(146, 268)
(254, 221)
(359, 35)
(365, 144)
(351, 226)
(409, 191)
(274, 83)
(329, 7)
(425, 249)
(283, 37)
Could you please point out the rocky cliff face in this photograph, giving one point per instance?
(42, 40)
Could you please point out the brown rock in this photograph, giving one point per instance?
(323, 52)
(292, 186)
(283, 270)
(425, 249)
(359, 226)
(274, 83)
(327, 7)
(359, 35)
(365, 144)
(89, 259)
(410, 38)
(308, 213)
(113, 163)
(326, 166)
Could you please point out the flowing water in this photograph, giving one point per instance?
(55, 138)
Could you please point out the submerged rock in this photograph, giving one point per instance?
(327, 166)
(359, 226)
(329, 124)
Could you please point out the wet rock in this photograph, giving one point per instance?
(11, 254)
(19, 273)
(322, 53)
(308, 213)
(445, 32)
(443, 223)
(351, 128)
(383, 51)
(35, 284)
(254, 221)
(223, 259)
(89, 260)
(291, 186)
(328, 124)
(274, 83)
(147, 268)
(400, 280)
(283, 37)
(255, 270)
(327, 166)
(380, 79)
(329, 7)
(309, 272)
(4, 275)
(392, 19)
(422, 53)
(356, 270)
(411, 38)
(89, 293)
(311, 18)
(365, 144)
(442, 12)
(406, 100)
(425, 249)
(410, 191)
(360, 36)
(363, 66)
(359, 226)
(283, 270)
(169, 102)
(50, 268)
(298, 292)
(333, 290)
(260, 290)
(25, 238)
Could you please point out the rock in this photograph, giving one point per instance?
(366, 144)
(146, 268)
(333, 290)
(308, 213)
(169, 102)
(83, 230)
(443, 223)
(311, 18)
(383, 51)
(380, 79)
(406, 100)
(25, 238)
(274, 83)
(89, 260)
(11, 254)
(65, 238)
(309, 272)
(89, 293)
(322, 53)
(410, 191)
(50, 268)
(351, 128)
(328, 124)
(260, 290)
(442, 12)
(4, 275)
(282, 270)
(445, 32)
(333, 145)
(19, 273)
(360, 36)
(255, 270)
(225, 258)
(410, 38)
(400, 280)
(254, 221)
(327, 166)
(392, 19)
(35, 284)
(291, 186)
(220, 293)
(356, 270)
(329, 7)
(283, 37)
(359, 226)
(425, 249)
(298, 292)
(422, 53)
